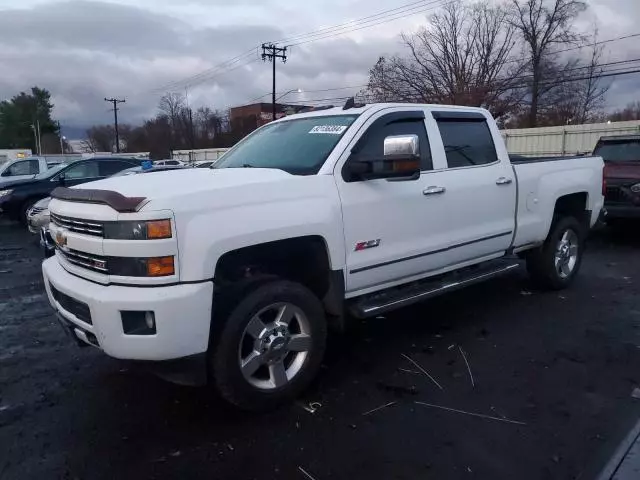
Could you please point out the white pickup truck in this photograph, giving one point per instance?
(237, 271)
(24, 169)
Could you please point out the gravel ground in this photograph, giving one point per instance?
(562, 365)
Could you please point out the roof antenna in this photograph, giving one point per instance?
(351, 103)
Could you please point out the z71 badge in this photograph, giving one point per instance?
(367, 244)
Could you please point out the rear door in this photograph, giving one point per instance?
(478, 198)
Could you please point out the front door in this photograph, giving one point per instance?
(385, 220)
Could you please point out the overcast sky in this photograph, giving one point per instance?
(83, 51)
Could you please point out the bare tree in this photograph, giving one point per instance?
(100, 138)
(543, 25)
(464, 57)
(630, 112)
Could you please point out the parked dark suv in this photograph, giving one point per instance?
(622, 176)
(17, 197)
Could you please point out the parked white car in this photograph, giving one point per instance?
(239, 270)
(24, 169)
(169, 163)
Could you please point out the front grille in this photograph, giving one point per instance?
(36, 210)
(86, 227)
(614, 194)
(92, 262)
(79, 309)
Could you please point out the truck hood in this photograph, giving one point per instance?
(179, 183)
(622, 171)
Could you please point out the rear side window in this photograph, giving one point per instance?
(112, 167)
(467, 141)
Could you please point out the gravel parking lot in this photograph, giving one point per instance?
(560, 367)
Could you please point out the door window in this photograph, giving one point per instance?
(371, 145)
(467, 141)
(28, 167)
(82, 170)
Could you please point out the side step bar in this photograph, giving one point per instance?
(379, 303)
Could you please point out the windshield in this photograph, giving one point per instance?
(614, 152)
(299, 147)
(51, 172)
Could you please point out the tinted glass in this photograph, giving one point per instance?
(628, 151)
(372, 143)
(51, 172)
(82, 170)
(112, 167)
(299, 147)
(467, 142)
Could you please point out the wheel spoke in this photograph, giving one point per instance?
(565, 269)
(573, 250)
(565, 237)
(255, 327)
(558, 262)
(285, 314)
(251, 364)
(278, 374)
(300, 343)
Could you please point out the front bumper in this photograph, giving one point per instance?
(182, 315)
(622, 211)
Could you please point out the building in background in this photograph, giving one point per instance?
(247, 118)
(14, 154)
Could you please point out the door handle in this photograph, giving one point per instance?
(504, 181)
(433, 190)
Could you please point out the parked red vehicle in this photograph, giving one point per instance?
(621, 156)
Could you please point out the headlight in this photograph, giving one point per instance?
(134, 230)
(4, 193)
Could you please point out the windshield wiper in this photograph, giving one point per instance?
(247, 165)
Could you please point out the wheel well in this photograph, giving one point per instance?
(302, 259)
(574, 205)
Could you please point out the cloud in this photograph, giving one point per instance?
(83, 51)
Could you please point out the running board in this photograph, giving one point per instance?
(379, 303)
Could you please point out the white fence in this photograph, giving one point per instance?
(567, 140)
(190, 156)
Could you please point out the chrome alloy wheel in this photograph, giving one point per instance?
(274, 346)
(566, 256)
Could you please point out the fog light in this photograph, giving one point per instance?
(150, 320)
(138, 323)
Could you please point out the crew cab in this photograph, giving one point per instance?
(238, 271)
(621, 155)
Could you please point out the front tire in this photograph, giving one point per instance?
(270, 347)
(555, 264)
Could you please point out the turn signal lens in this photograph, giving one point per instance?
(160, 267)
(159, 229)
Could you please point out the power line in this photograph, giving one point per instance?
(356, 22)
(366, 25)
(216, 69)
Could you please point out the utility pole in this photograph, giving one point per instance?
(115, 102)
(271, 51)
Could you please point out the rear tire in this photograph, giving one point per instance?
(555, 264)
(270, 347)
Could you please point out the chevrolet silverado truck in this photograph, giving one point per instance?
(238, 272)
(621, 155)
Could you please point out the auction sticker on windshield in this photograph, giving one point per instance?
(329, 129)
